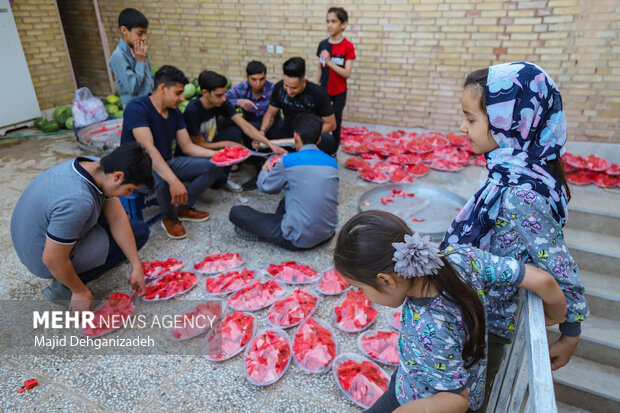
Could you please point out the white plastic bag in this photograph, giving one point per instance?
(87, 109)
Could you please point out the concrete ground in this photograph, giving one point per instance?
(182, 383)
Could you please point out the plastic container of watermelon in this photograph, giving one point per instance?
(237, 344)
(272, 314)
(325, 285)
(164, 279)
(393, 317)
(358, 329)
(282, 362)
(86, 332)
(223, 275)
(373, 175)
(177, 334)
(240, 155)
(366, 351)
(303, 278)
(303, 364)
(233, 302)
(237, 260)
(364, 404)
(157, 271)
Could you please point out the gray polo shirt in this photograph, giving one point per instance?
(64, 205)
(310, 181)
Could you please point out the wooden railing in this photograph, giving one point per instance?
(524, 382)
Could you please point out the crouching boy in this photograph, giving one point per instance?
(308, 214)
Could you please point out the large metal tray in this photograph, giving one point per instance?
(435, 205)
(92, 138)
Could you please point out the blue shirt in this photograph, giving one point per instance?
(310, 181)
(63, 204)
(526, 230)
(141, 112)
(432, 335)
(133, 78)
(243, 90)
(201, 121)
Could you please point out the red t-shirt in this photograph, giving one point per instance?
(339, 53)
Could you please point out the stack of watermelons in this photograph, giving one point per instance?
(191, 91)
(63, 118)
(113, 106)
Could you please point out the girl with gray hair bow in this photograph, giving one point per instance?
(442, 342)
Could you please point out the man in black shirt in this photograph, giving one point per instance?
(295, 95)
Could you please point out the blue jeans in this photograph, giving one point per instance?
(115, 256)
(200, 173)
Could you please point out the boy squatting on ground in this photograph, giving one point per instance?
(308, 214)
(156, 122)
(69, 225)
(129, 62)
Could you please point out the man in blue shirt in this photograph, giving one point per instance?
(129, 62)
(308, 214)
(156, 122)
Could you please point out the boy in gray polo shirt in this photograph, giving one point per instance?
(69, 225)
(308, 214)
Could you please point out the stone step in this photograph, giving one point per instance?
(593, 221)
(588, 385)
(599, 340)
(602, 293)
(598, 261)
(567, 408)
(601, 243)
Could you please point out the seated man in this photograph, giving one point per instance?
(156, 122)
(252, 96)
(68, 225)
(295, 95)
(201, 119)
(308, 214)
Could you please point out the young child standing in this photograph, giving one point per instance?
(129, 61)
(336, 56)
(445, 294)
(513, 115)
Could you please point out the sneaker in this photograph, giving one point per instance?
(191, 214)
(232, 186)
(174, 229)
(246, 235)
(250, 185)
(57, 293)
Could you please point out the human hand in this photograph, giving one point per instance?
(138, 51)
(81, 301)
(136, 279)
(246, 104)
(178, 192)
(277, 150)
(325, 56)
(561, 351)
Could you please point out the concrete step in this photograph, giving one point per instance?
(599, 341)
(598, 261)
(601, 243)
(588, 385)
(567, 408)
(602, 293)
(598, 222)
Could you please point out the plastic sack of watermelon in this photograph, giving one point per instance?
(87, 109)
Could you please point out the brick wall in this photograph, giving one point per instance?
(84, 43)
(412, 54)
(41, 37)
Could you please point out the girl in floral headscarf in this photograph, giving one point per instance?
(513, 115)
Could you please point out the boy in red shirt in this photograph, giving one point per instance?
(336, 56)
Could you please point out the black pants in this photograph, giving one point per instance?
(387, 403)
(265, 225)
(495, 356)
(338, 101)
(115, 256)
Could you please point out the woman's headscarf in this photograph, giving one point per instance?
(526, 120)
